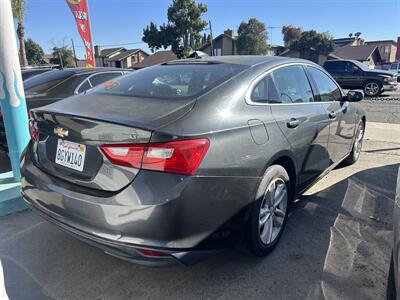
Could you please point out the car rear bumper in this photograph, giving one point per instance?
(183, 217)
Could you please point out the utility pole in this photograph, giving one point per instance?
(271, 30)
(73, 48)
(60, 58)
(12, 96)
(212, 39)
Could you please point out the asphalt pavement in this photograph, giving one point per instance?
(336, 245)
(384, 109)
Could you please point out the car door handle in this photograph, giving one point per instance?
(293, 123)
(332, 115)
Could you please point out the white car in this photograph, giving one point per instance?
(395, 68)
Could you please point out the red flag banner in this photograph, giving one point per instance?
(80, 12)
(398, 49)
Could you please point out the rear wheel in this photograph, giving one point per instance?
(357, 145)
(372, 88)
(269, 212)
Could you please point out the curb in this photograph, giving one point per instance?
(10, 195)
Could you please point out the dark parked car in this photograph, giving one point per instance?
(55, 85)
(192, 156)
(28, 73)
(352, 74)
(393, 286)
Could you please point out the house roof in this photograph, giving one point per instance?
(124, 54)
(215, 39)
(288, 52)
(381, 42)
(362, 52)
(155, 59)
(110, 51)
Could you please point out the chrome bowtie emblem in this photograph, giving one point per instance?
(60, 132)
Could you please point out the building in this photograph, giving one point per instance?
(155, 59)
(348, 41)
(224, 44)
(387, 49)
(118, 57)
(310, 54)
(367, 54)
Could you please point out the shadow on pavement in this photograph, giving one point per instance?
(336, 245)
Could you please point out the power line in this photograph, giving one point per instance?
(113, 45)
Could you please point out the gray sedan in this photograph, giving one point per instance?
(175, 161)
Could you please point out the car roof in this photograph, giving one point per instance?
(248, 60)
(89, 70)
(338, 60)
(64, 74)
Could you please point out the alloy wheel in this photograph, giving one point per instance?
(273, 211)
(372, 88)
(359, 139)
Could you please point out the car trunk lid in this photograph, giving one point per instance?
(69, 128)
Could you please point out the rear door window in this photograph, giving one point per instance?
(67, 87)
(327, 88)
(334, 66)
(290, 85)
(84, 86)
(103, 77)
(260, 91)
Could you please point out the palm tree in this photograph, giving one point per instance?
(18, 8)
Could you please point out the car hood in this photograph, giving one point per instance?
(141, 112)
(381, 72)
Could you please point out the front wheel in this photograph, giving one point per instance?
(357, 144)
(372, 88)
(268, 214)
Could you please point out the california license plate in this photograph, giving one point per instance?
(70, 155)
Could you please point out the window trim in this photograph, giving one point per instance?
(315, 86)
(265, 73)
(93, 74)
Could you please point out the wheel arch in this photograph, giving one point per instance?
(287, 160)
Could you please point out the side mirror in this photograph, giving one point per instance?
(353, 96)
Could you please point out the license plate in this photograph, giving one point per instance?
(70, 155)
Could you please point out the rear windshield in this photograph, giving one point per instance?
(43, 82)
(178, 80)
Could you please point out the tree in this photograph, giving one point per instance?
(252, 38)
(290, 34)
(322, 43)
(34, 53)
(182, 32)
(63, 52)
(18, 8)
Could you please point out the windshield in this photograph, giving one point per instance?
(360, 65)
(178, 80)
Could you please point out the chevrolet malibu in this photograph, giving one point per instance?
(175, 161)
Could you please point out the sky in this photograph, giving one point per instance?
(49, 22)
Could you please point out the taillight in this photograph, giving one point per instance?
(180, 157)
(33, 130)
(124, 155)
(152, 253)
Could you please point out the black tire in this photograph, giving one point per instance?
(367, 88)
(277, 175)
(356, 150)
(391, 284)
